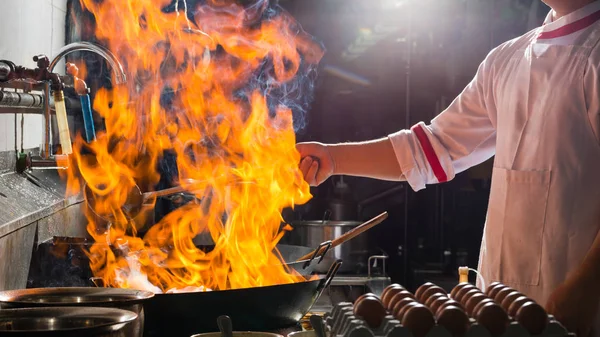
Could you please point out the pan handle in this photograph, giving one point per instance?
(97, 282)
(319, 252)
(330, 274)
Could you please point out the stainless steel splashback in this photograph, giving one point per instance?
(33, 208)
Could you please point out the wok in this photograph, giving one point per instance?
(251, 309)
(291, 253)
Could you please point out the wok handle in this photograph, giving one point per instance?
(351, 234)
(330, 274)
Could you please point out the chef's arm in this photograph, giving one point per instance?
(462, 136)
(372, 159)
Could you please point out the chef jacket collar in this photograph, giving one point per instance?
(579, 14)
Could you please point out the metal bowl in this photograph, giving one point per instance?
(307, 333)
(65, 321)
(75, 296)
(125, 299)
(239, 334)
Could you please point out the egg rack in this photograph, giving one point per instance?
(346, 321)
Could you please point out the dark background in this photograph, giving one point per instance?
(410, 60)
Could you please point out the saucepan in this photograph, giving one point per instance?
(66, 322)
(126, 299)
(226, 330)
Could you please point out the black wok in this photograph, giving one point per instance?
(291, 253)
(250, 309)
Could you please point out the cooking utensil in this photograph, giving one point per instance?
(292, 256)
(354, 232)
(225, 326)
(251, 309)
(239, 334)
(310, 233)
(135, 199)
(126, 299)
(318, 325)
(65, 322)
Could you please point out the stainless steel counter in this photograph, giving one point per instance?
(32, 209)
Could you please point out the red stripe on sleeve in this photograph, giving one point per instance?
(430, 154)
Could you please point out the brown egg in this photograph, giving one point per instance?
(437, 303)
(493, 318)
(391, 286)
(430, 291)
(385, 299)
(397, 297)
(447, 304)
(495, 290)
(479, 305)
(472, 303)
(502, 294)
(363, 296)
(400, 304)
(419, 320)
(516, 305)
(457, 288)
(468, 295)
(532, 317)
(492, 286)
(463, 291)
(422, 289)
(371, 310)
(454, 319)
(400, 315)
(509, 299)
(433, 298)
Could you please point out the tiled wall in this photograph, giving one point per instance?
(28, 28)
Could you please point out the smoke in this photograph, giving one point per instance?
(295, 93)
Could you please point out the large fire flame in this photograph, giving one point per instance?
(217, 69)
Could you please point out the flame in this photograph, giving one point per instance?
(236, 147)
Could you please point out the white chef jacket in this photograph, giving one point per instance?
(534, 104)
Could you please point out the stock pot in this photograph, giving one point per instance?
(354, 253)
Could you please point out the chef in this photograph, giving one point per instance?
(534, 103)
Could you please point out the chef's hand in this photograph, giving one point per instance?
(316, 162)
(575, 303)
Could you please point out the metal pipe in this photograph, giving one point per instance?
(73, 105)
(5, 70)
(112, 60)
(46, 132)
(21, 100)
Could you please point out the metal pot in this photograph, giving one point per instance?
(239, 334)
(125, 299)
(66, 322)
(354, 253)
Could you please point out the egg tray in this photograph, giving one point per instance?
(341, 322)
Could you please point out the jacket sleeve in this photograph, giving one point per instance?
(460, 137)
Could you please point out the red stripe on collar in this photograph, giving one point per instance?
(571, 27)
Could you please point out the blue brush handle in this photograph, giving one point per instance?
(88, 121)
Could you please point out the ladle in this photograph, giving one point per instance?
(135, 200)
(225, 326)
(318, 325)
